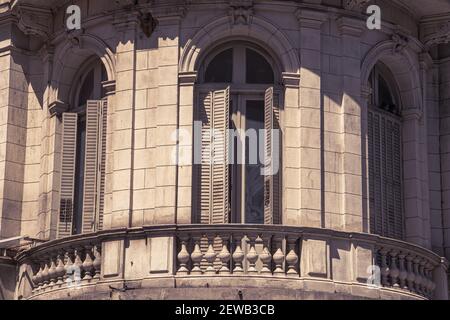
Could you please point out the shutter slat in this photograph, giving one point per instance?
(68, 160)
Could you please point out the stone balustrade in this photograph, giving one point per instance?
(196, 252)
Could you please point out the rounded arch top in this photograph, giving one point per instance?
(403, 66)
(260, 32)
(69, 60)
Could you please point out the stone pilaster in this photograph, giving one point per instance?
(351, 114)
(444, 92)
(13, 134)
(305, 124)
(121, 160)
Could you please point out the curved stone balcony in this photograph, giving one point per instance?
(231, 262)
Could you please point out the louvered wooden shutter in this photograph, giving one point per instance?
(204, 178)
(272, 160)
(92, 164)
(68, 159)
(385, 175)
(102, 165)
(220, 155)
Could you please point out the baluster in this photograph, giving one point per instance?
(97, 264)
(252, 255)
(429, 282)
(384, 267)
(278, 256)
(224, 256)
(418, 277)
(238, 254)
(210, 255)
(411, 276)
(196, 256)
(52, 272)
(183, 256)
(423, 283)
(78, 265)
(430, 277)
(68, 266)
(39, 279)
(88, 264)
(45, 277)
(394, 271)
(403, 272)
(34, 278)
(60, 270)
(265, 255)
(292, 257)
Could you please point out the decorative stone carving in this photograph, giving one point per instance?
(241, 12)
(400, 42)
(355, 5)
(34, 21)
(441, 36)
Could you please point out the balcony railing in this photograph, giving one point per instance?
(279, 252)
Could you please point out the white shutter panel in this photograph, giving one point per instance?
(102, 165)
(220, 157)
(68, 159)
(93, 117)
(204, 179)
(272, 160)
(397, 182)
(385, 178)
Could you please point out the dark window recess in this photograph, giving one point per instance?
(385, 100)
(87, 89)
(220, 69)
(259, 71)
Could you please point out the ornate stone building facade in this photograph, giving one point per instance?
(100, 198)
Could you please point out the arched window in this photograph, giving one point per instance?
(239, 112)
(385, 156)
(83, 155)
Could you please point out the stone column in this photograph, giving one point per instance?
(305, 133)
(351, 168)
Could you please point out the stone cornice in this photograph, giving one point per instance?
(435, 31)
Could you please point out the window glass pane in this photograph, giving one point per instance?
(254, 180)
(87, 89)
(258, 70)
(220, 69)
